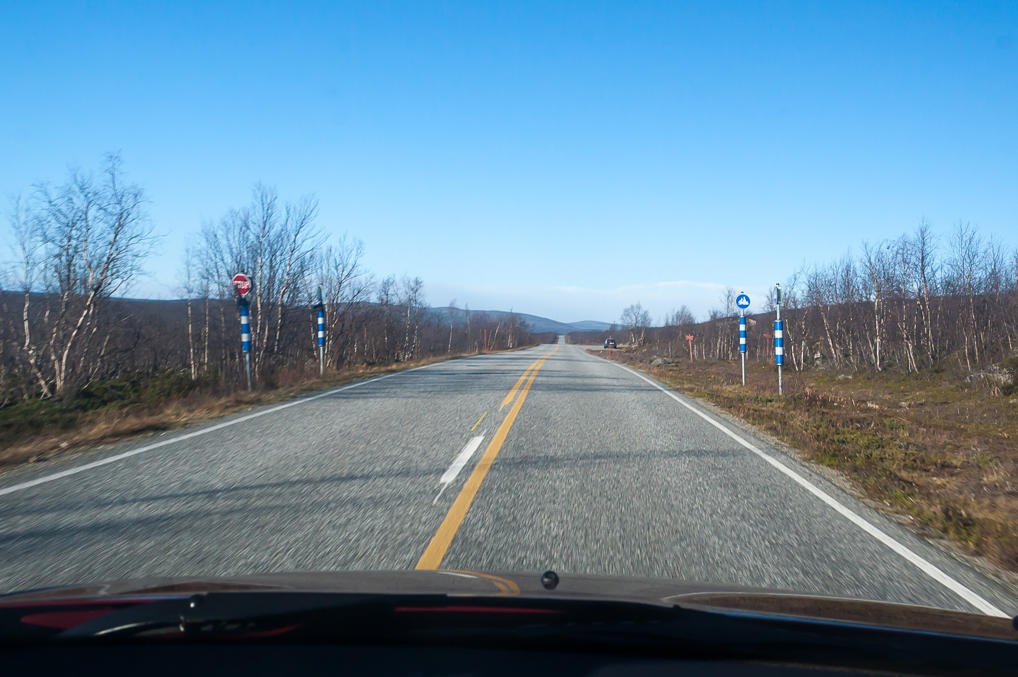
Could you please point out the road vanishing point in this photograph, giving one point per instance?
(544, 458)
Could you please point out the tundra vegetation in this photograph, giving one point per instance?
(909, 304)
(900, 373)
(73, 347)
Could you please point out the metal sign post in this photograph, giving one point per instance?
(242, 283)
(689, 338)
(779, 340)
(743, 302)
(321, 334)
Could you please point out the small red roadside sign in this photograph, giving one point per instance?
(242, 283)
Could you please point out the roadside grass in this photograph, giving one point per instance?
(931, 447)
(116, 409)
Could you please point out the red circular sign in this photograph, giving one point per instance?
(242, 283)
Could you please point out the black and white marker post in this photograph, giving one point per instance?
(742, 300)
(779, 339)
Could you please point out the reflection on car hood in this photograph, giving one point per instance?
(661, 592)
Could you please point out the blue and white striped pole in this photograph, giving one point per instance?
(321, 341)
(779, 340)
(321, 333)
(245, 338)
(742, 343)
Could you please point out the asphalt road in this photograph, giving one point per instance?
(582, 466)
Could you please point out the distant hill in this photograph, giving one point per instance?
(535, 323)
(174, 309)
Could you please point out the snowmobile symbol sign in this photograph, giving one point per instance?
(242, 283)
(742, 301)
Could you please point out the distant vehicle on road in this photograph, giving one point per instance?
(609, 343)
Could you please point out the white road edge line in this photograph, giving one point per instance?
(916, 560)
(197, 433)
(457, 465)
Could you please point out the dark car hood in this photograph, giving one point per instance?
(661, 592)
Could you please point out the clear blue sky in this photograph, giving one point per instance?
(563, 159)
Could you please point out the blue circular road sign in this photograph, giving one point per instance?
(742, 301)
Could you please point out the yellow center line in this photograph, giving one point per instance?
(440, 542)
(474, 426)
(519, 381)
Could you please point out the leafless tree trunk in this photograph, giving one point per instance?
(452, 316)
(925, 272)
(876, 272)
(964, 266)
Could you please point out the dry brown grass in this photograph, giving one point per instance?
(931, 447)
(111, 425)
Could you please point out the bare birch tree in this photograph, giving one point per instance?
(81, 243)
